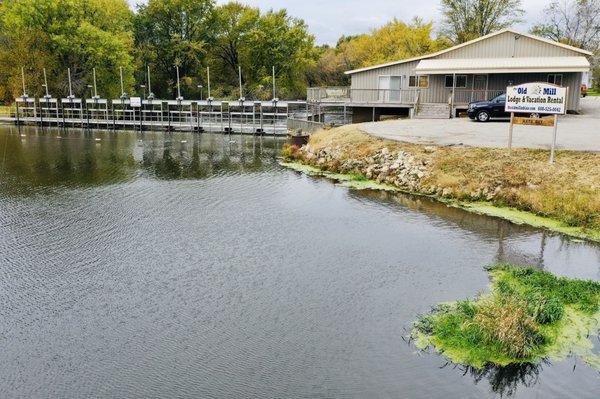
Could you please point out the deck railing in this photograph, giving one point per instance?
(465, 96)
(328, 94)
(347, 95)
(304, 125)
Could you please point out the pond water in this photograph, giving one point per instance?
(193, 265)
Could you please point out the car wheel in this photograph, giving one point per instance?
(535, 115)
(483, 116)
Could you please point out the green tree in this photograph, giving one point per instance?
(464, 20)
(257, 42)
(61, 34)
(283, 42)
(394, 41)
(170, 33)
(235, 26)
(329, 68)
(575, 22)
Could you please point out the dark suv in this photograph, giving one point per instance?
(483, 111)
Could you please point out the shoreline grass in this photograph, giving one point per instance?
(521, 187)
(527, 316)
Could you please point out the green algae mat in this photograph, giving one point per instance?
(528, 316)
(483, 208)
(357, 182)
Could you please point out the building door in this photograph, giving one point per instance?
(480, 85)
(389, 88)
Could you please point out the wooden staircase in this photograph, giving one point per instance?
(433, 111)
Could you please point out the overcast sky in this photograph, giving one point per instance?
(330, 19)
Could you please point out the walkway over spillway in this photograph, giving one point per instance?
(235, 116)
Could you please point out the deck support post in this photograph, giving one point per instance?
(452, 98)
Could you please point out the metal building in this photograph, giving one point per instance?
(440, 85)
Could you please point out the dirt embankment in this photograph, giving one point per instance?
(567, 192)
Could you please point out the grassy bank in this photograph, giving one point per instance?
(527, 316)
(522, 186)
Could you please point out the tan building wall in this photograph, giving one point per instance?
(506, 45)
(365, 84)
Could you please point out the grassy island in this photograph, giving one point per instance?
(527, 316)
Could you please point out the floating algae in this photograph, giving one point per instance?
(528, 316)
(521, 217)
(354, 181)
(480, 207)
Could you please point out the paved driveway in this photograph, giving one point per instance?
(575, 132)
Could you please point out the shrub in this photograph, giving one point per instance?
(507, 321)
(517, 322)
(290, 151)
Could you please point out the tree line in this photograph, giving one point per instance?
(195, 34)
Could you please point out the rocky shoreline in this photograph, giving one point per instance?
(396, 167)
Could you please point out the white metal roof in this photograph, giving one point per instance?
(541, 39)
(502, 65)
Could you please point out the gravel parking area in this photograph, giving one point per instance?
(575, 132)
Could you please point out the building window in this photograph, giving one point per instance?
(555, 78)
(461, 82)
(421, 81)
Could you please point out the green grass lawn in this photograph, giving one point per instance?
(593, 92)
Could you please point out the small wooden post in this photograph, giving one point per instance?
(553, 148)
(510, 131)
(555, 131)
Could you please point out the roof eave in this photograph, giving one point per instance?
(501, 70)
(576, 49)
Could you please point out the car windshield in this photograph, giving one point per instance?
(500, 99)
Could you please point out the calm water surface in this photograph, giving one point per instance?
(181, 265)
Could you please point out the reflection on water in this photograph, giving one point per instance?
(46, 158)
(43, 159)
(192, 265)
(504, 381)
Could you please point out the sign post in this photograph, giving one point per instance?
(553, 148)
(536, 98)
(510, 131)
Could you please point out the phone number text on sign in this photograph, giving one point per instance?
(536, 97)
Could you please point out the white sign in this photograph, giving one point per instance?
(536, 97)
(135, 102)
